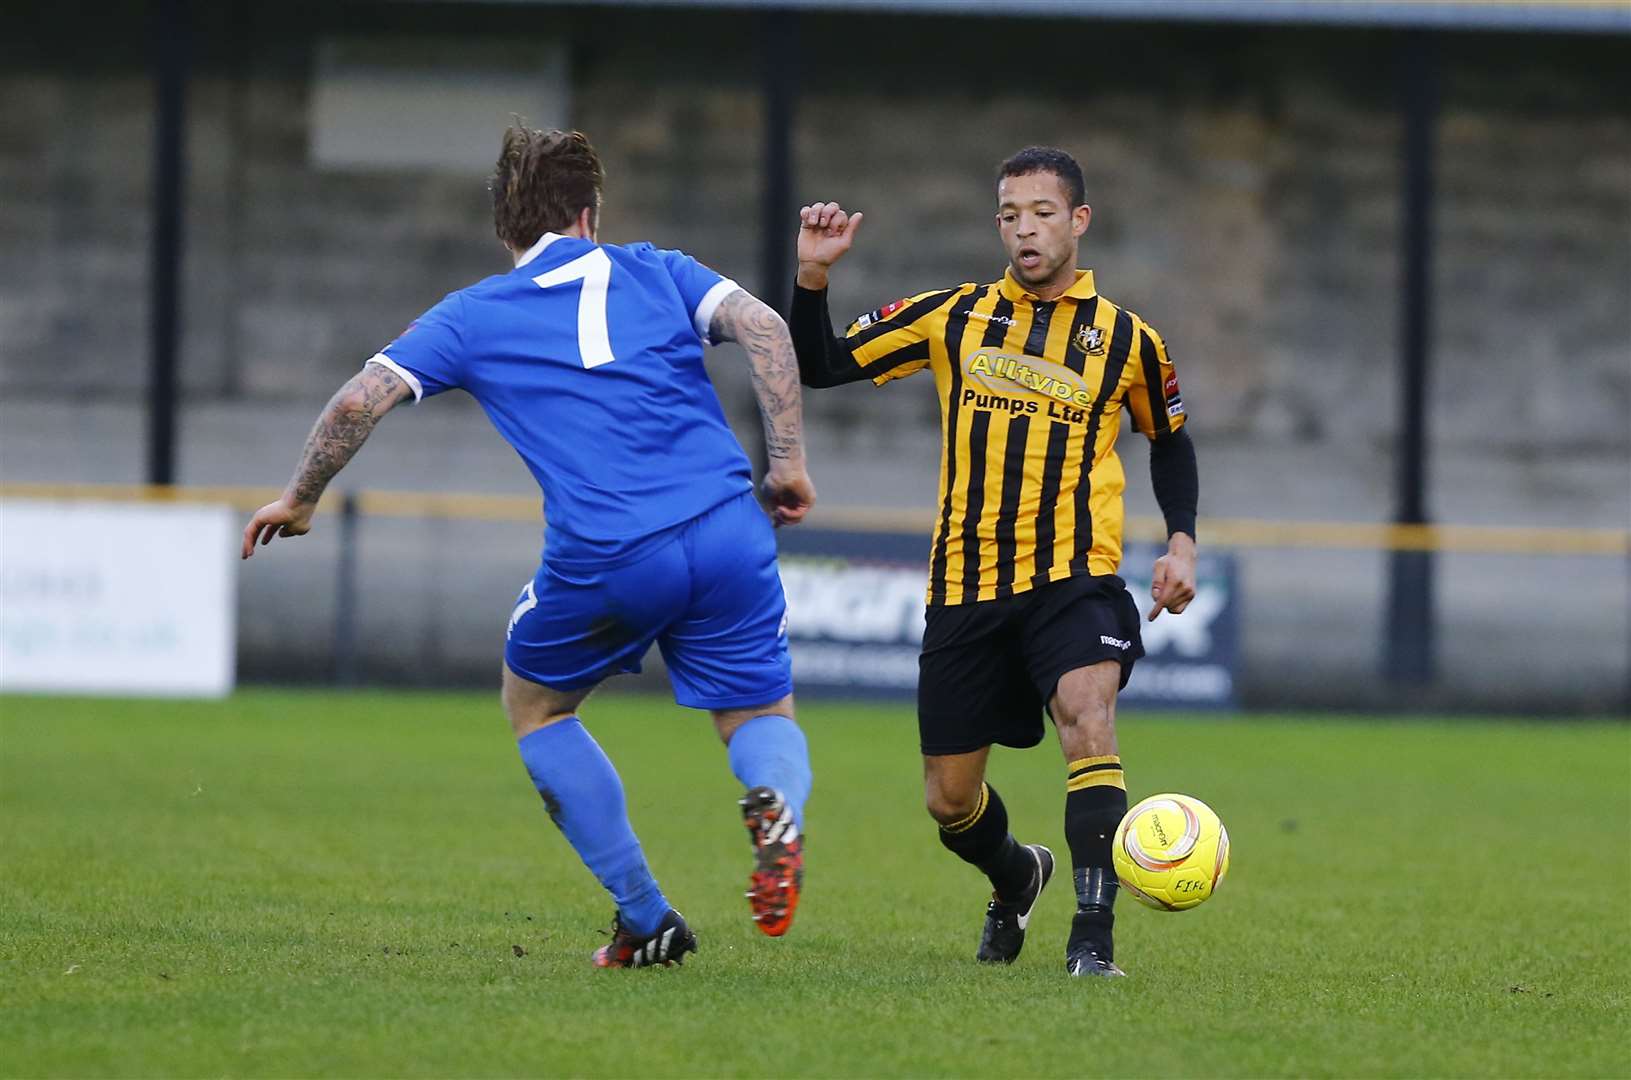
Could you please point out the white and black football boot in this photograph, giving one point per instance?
(1005, 921)
(666, 945)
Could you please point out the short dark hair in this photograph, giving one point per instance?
(1048, 159)
(542, 182)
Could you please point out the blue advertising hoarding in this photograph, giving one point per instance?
(1190, 660)
(855, 620)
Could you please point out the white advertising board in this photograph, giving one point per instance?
(117, 598)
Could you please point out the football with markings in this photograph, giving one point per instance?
(1171, 851)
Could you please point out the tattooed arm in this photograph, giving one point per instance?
(340, 431)
(743, 318)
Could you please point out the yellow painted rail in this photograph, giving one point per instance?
(1222, 532)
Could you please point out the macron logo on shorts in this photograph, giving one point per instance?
(1106, 639)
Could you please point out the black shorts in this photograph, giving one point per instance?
(989, 667)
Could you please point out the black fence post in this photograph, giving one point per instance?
(345, 595)
(172, 32)
(778, 89)
(1409, 649)
(779, 50)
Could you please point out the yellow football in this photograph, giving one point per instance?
(1171, 851)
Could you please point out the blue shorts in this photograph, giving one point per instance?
(707, 592)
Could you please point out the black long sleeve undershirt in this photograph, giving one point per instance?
(823, 360)
(1176, 479)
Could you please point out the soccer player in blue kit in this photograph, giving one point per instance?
(587, 357)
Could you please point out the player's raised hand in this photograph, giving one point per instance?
(788, 494)
(826, 231)
(1172, 584)
(281, 518)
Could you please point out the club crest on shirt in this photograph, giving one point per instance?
(1090, 339)
(878, 316)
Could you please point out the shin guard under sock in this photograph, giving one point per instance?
(770, 751)
(584, 797)
(982, 838)
(1095, 803)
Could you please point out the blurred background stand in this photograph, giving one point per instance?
(1389, 245)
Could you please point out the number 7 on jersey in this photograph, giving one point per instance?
(594, 269)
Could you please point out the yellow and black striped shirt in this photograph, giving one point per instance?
(1031, 394)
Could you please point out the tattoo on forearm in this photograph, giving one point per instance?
(343, 427)
(751, 322)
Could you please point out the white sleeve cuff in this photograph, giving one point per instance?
(407, 376)
(709, 304)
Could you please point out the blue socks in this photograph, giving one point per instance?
(770, 751)
(584, 797)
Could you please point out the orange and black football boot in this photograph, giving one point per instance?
(778, 860)
(665, 945)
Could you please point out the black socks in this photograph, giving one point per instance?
(1095, 803)
(982, 838)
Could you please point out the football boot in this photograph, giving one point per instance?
(1085, 960)
(665, 945)
(1091, 948)
(778, 860)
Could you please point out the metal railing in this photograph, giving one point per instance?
(1222, 532)
(345, 512)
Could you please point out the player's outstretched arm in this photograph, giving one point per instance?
(340, 431)
(749, 321)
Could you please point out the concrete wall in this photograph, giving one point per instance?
(1245, 186)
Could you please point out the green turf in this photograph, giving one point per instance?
(320, 884)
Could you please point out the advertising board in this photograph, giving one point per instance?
(855, 620)
(117, 598)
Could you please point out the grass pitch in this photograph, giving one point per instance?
(291, 884)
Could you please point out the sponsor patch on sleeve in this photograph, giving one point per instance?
(877, 316)
(1169, 391)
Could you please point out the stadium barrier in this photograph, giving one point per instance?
(854, 581)
(1221, 532)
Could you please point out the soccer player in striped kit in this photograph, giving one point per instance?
(1025, 609)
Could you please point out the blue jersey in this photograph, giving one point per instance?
(588, 359)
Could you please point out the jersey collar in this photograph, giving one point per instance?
(1082, 290)
(538, 249)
